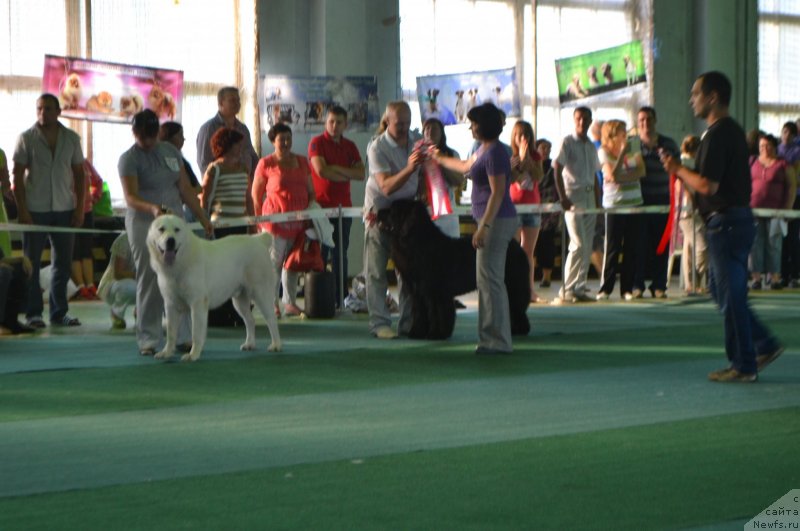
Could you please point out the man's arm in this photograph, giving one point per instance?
(203, 144)
(79, 183)
(390, 183)
(694, 180)
(24, 216)
(337, 173)
(566, 204)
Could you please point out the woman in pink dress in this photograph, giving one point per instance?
(773, 187)
(282, 183)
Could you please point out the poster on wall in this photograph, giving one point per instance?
(112, 92)
(600, 71)
(303, 102)
(449, 97)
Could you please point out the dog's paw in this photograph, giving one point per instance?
(189, 357)
(247, 346)
(274, 347)
(163, 355)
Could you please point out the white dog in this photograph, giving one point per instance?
(196, 274)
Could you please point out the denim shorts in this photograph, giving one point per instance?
(531, 220)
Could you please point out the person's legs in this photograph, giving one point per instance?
(149, 304)
(32, 247)
(612, 246)
(61, 250)
(729, 238)
(586, 223)
(376, 248)
(773, 250)
(278, 253)
(342, 240)
(122, 294)
(494, 320)
(658, 223)
(529, 234)
(757, 252)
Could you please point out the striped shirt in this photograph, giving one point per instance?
(620, 194)
(230, 195)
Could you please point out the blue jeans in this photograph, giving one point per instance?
(61, 244)
(342, 240)
(730, 237)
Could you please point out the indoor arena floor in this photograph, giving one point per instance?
(601, 419)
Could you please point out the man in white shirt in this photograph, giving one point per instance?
(576, 166)
(393, 174)
(49, 188)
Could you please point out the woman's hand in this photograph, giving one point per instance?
(479, 237)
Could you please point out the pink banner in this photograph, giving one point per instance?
(112, 92)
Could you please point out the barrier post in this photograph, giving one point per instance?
(340, 250)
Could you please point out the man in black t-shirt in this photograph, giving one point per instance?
(721, 187)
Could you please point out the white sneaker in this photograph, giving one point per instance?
(602, 296)
(628, 296)
(384, 332)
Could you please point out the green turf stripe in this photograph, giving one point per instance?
(708, 472)
(137, 446)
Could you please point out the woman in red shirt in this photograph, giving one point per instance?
(526, 172)
(282, 183)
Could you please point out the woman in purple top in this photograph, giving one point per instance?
(490, 169)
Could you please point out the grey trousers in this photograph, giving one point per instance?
(581, 235)
(376, 258)
(61, 244)
(149, 303)
(494, 320)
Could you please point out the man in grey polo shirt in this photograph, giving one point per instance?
(576, 165)
(393, 174)
(48, 184)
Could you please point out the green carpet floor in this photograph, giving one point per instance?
(602, 419)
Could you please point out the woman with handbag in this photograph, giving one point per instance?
(226, 181)
(282, 183)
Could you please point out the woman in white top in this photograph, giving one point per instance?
(623, 167)
(226, 182)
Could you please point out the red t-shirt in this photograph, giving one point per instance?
(342, 153)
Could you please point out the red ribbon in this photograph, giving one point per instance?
(667, 236)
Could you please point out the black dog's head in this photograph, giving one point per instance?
(403, 218)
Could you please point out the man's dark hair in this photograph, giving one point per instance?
(338, 110)
(52, 99)
(791, 126)
(649, 110)
(583, 110)
(224, 91)
(716, 82)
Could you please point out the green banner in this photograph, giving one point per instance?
(600, 71)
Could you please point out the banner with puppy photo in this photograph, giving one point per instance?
(112, 92)
(303, 102)
(449, 97)
(600, 71)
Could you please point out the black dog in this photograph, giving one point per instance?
(436, 268)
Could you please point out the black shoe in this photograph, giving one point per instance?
(19, 328)
(544, 284)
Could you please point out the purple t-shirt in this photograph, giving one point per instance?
(491, 161)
